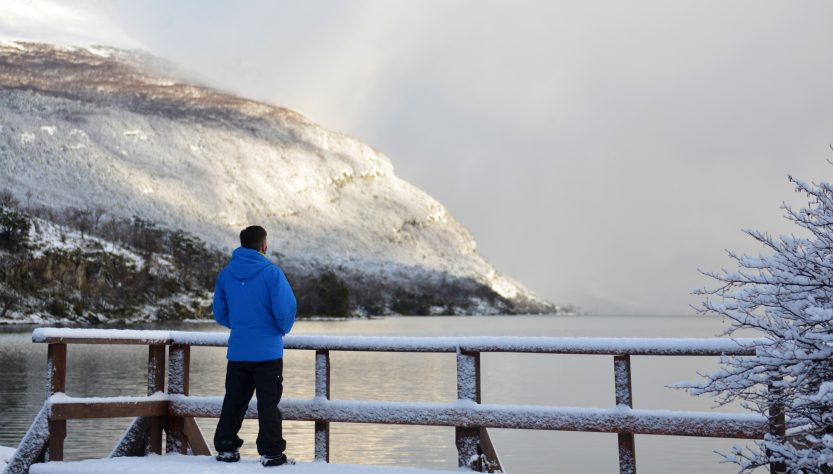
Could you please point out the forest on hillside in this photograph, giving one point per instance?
(85, 266)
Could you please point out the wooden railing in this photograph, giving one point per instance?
(173, 411)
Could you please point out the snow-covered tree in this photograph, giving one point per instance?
(785, 294)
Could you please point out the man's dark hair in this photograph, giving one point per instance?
(252, 237)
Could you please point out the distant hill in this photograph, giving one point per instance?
(118, 134)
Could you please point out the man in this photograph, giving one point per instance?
(253, 298)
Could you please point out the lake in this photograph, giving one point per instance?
(539, 379)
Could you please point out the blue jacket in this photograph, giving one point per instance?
(253, 298)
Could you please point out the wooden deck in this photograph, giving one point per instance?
(180, 464)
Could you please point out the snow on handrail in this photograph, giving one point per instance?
(466, 413)
(551, 345)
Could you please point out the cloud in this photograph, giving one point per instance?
(597, 150)
(60, 23)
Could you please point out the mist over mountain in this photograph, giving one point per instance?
(122, 133)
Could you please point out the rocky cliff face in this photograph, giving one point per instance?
(101, 128)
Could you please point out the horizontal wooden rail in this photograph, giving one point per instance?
(537, 345)
(464, 414)
(655, 422)
(86, 410)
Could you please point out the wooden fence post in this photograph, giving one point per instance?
(179, 361)
(468, 388)
(183, 432)
(56, 373)
(156, 383)
(777, 425)
(322, 389)
(624, 396)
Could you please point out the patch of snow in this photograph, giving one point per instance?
(79, 134)
(138, 134)
(47, 236)
(62, 398)
(12, 44)
(207, 465)
(436, 310)
(27, 138)
(100, 51)
(6, 454)
(149, 336)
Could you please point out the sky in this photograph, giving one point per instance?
(601, 152)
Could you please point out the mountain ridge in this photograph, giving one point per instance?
(99, 126)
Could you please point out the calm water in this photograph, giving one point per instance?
(580, 381)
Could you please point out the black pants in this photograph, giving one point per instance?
(242, 380)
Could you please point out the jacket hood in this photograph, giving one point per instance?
(246, 263)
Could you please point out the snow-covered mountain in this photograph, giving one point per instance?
(119, 130)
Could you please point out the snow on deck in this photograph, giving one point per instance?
(5, 455)
(180, 464)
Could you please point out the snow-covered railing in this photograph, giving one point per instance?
(538, 345)
(173, 410)
(474, 415)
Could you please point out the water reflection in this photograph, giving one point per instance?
(508, 378)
